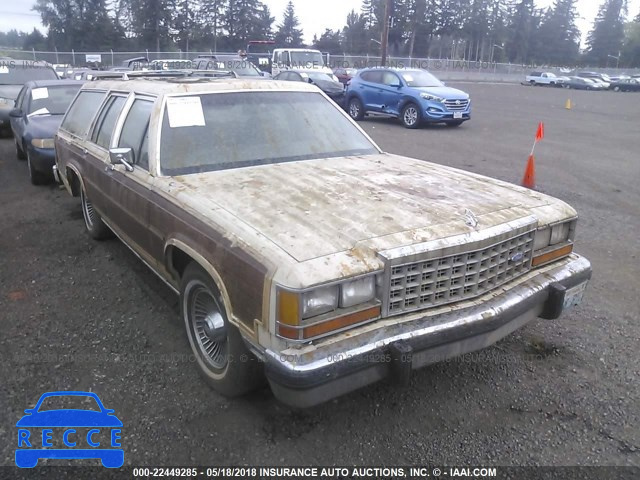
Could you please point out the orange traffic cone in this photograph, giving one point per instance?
(529, 179)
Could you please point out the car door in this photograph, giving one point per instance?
(370, 90)
(18, 123)
(125, 124)
(391, 93)
(70, 139)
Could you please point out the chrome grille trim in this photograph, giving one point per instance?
(453, 106)
(456, 273)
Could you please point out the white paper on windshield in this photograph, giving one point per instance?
(39, 93)
(4, 69)
(40, 111)
(185, 112)
(408, 77)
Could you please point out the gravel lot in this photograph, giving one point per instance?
(77, 314)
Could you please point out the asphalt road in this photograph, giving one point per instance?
(76, 314)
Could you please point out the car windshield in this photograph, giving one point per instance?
(52, 100)
(17, 74)
(69, 402)
(420, 78)
(319, 77)
(234, 130)
(306, 59)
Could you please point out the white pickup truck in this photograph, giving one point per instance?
(543, 78)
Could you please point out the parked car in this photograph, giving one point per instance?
(13, 75)
(603, 84)
(542, 78)
(344, 75)
(35, 120)
(298, 59)
(413, 96)
(327, 83)
(594, 75)
(170, 64)
(580, 83)
(293, 239)
(233, 63)
(625, 85)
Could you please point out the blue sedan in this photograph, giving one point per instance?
(38, 112)
(412, 95)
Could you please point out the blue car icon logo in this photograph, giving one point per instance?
(69, 425)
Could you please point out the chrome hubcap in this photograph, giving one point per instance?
(209, 327)
(410, 116)
(87, 210)
(354, 110)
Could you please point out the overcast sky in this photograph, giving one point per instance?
(314, 15)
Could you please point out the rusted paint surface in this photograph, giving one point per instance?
(333, 216)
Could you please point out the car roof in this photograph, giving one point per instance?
(52, 83)
(181, 85)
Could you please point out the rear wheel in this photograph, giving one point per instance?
(616, 88)
(92, 219)
(355, 109)
(222, 356)
(410, 116)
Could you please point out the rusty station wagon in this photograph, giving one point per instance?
(301, 252)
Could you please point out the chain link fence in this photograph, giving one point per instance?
(447, 69)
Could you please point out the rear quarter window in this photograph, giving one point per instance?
(81, 113)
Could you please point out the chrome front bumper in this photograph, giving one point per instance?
(393, 347)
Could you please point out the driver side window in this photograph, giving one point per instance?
(135, 132)
(390, 79)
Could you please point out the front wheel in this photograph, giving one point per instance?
(19, 151)
(410, 116)
(222, 356)
(92, 219)
(36, 177)
(355, 109)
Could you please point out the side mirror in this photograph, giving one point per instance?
(16, 113)
(396, 85)
(122, 156)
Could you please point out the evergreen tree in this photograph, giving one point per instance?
(607, 36)
(354, 34)
(288, 32)
(558, 36)
(520, 32)
(630, 55)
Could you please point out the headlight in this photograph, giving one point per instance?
(559, 233)
(542, 239)
(433, 98)
(552, 243)
(319, 301)
(357, 291)
(42, 142)
(307, 314)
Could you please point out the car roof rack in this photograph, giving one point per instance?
(174, 75)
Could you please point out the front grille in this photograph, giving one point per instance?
(461, 276)
(456, 105)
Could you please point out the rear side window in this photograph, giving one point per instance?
(107, 121)
(135, 131)
(374, 77)
(82, 111)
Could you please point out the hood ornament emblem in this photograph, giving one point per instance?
(470, 218)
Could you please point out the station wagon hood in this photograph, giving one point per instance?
(43, 126)
(447, 93)
(316, 208)
(10, 91)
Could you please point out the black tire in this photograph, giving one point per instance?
(455, 123)
(355, 109)
(222, 357)
(411, 116)
(19, 151)
(36, 177)
(532, 82)
(96, 228)
(616, 88)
